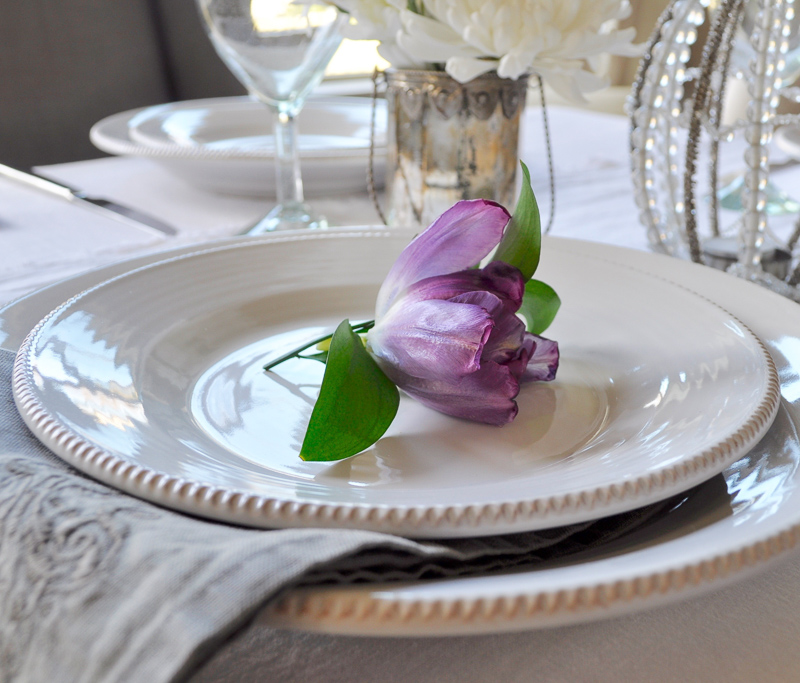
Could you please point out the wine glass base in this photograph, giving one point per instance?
(288, 217)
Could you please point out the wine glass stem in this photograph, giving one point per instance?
(287, 161)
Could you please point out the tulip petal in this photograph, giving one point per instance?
(498, 278)
(434, 340)
(486, 395)
(505, 341)
(543, 363)
(457, 240)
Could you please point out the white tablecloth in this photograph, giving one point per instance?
(593, 200)
(746, 632)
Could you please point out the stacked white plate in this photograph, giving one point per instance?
(660, 390)
(227, 145)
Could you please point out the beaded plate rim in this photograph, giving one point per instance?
(350, 611)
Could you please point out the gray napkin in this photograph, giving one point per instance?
(98, 586)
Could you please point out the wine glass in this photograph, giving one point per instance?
(278, 49)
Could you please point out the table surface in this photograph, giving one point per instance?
(748, 631)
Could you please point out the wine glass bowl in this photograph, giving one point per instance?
(278, 49)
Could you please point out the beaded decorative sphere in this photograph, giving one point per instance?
(675, 108)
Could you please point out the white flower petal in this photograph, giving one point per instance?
(464, 69)
(399, 58)
(572, 84)
(513, 66)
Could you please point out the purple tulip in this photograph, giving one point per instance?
(447, 333)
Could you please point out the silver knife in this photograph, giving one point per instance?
(77, 196)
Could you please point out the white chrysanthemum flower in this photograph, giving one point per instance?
(560, 40)
(378, 20)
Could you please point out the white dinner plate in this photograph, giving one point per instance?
(226, 144)
(242, 128)
(736, 522)
(658, 390)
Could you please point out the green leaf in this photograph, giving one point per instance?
(356, 403)
(522, 241)
(539, 306)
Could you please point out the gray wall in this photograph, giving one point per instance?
(66, 64)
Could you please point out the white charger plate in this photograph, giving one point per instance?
(226, 144)
(172, 405)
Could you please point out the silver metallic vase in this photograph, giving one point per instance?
(450, 141)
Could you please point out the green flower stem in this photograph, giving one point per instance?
(357, 328)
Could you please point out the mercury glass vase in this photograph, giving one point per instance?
(449, 141)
